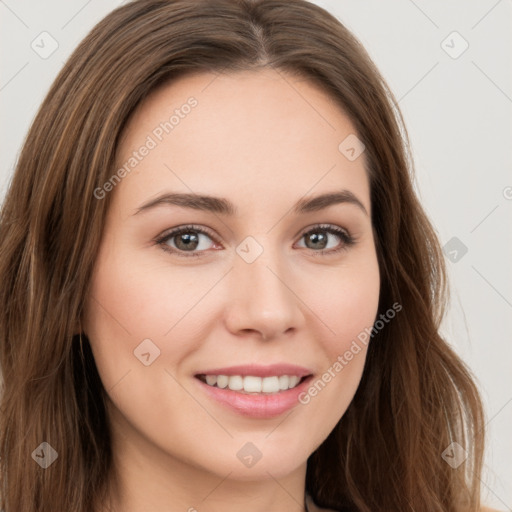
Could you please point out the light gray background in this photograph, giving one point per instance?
(458, 114)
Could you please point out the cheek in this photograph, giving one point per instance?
(127, 305)
(354, 308)
(139, 312)
(134, 298)
(348, 310)
(346, 302)
(140, 306)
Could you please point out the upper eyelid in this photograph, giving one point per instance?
(175, 231)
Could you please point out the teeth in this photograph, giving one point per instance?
(294, 380)
(252, 384)
(222, 381)
(211, 380)
(270, 385)
(235, 383)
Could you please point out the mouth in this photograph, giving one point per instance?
(253, 384)
(255, 391)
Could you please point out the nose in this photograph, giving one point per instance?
(262, 299)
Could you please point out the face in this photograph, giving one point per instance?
(213, 320)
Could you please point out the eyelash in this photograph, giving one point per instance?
(347, 240)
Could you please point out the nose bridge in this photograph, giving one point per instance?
(259, 265)
(262, 296)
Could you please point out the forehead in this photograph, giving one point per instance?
(252, 134)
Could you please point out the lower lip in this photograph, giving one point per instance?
(256, 406)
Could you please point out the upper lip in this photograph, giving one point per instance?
(259, 370)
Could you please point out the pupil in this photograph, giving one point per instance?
(318, 240)
(187, 240)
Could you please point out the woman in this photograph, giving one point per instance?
(219, 288)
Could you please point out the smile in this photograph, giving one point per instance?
(252, 384)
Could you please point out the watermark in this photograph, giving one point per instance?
(455, 249)
(45, 455)
(45, 45)
(249, 249)
(363, 338)
(146, 352)
(454, 455)
(351, 147)
(151, 142)
(249, 454)
(454, 45)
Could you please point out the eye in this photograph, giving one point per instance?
(190, 241)
(187, 239)
(318, 237)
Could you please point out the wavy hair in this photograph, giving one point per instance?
(415, 397)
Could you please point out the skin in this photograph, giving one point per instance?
(263, 140)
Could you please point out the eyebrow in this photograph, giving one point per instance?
(223, 206)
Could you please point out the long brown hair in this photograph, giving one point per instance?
(416, 396)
